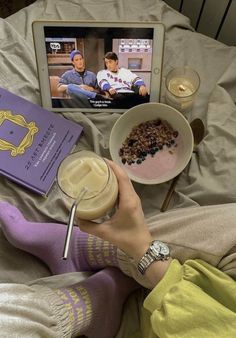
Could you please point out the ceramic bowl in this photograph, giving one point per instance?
(165, 160)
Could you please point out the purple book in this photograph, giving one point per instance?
(33, 142)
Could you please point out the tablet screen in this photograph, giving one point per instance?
(98, 68)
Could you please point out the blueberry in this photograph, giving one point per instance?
(152, 151)
(139, 153)
(144, 153)
(123, 160)
(139, 161)
(172, 141)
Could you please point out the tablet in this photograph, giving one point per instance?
(88, 66)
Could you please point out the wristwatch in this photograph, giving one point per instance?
(157, 251)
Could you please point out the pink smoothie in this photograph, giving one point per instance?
(160, 164)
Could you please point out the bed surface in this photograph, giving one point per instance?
(210, 177)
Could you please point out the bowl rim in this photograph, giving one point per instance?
(190, 143)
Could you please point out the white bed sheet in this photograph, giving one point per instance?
(210, 178)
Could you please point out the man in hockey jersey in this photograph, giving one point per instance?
(125, 87)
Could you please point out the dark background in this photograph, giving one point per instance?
(9, 7)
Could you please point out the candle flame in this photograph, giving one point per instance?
(182, 88)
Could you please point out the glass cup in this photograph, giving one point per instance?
(181, 84)
(86, 171)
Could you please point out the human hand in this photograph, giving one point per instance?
(62, 88)
(112, 91)
(142, 90)
(127, 228)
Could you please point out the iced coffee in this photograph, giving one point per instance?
(86, 170)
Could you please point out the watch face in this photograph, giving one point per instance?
(160, 248)
(164, 249)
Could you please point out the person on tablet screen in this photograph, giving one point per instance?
(79, 82)
(124, 86)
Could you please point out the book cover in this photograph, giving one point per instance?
(33, 142)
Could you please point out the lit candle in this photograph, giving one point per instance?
(181, 87)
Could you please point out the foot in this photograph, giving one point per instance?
(46, 241)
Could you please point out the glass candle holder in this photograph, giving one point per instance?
(181, 84)
(86, 170)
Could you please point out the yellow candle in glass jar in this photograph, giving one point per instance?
(181, 87)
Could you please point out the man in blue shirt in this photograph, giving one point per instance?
(79, 82)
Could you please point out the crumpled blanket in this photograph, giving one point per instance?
(208, 179)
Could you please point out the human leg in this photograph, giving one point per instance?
(96, 304)
(86, 308)
(128, 100)
(206, 232)
(46, 241)
(76, 90)
(32, 311)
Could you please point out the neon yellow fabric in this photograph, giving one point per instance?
(193, 300)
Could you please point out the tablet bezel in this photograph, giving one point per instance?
(42, 61)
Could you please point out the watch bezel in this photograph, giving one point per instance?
(157, 251)
(163, 249)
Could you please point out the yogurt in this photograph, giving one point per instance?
(159, 165)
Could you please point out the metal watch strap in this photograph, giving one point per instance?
(145, 262)
(157, 251)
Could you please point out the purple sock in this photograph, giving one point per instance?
(46, 241)
(95, 305)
